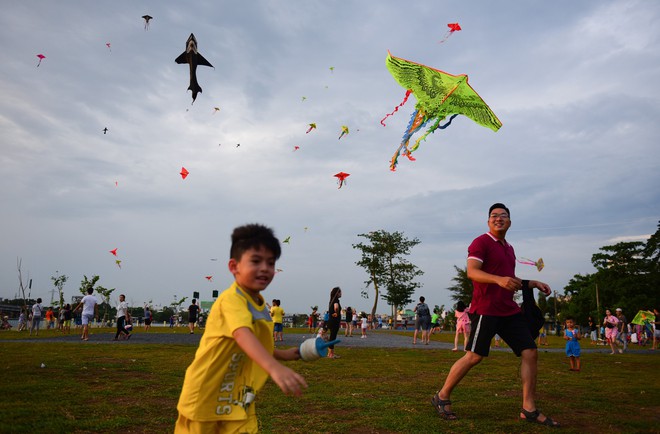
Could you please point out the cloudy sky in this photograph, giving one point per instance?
(575, 85)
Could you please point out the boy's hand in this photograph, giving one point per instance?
(288, 380)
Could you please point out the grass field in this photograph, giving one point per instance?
(106, 388)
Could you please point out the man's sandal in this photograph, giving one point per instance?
(439, 405)
(533, 417)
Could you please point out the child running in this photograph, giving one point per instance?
(236, 353)
(572, 336)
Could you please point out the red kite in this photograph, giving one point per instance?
(107, 44)
(209, 278)
(41, 57)
(295, 148)
(453, 27)
(114, 252)
(184, 173)
(341, 177)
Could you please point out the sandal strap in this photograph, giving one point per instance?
(531, 415)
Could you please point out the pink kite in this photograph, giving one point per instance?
(184, 173)
(295, 148)
(538, 264)
(453, 27)
(311, 127)
(341, 177)
(107, 44)
(41, 57)
(114, 252)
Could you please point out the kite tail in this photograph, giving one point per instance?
(396, 109)
(435, 126)
(417, 121)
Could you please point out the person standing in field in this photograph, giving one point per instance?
(611, 331)
(90, 307)
(334, 319)
(572, 336)
(122, 318)
(193, 312)
(278, 318)
(491, 266)
(36, 317)
(462, 324)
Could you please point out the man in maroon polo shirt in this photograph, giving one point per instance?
(491, 266)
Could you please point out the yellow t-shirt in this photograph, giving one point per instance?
(277, 313)
(222, 377)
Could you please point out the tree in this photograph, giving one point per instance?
(85, 284)
(627, 276)
(383, 258)
(462, 288)
(59, 282)
(105, 294)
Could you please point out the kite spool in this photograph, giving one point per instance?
(313, 349)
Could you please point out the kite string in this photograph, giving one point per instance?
(396, 109)
(436, 126)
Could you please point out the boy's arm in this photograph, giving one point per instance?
(289, 381)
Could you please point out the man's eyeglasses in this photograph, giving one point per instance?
(503, 216)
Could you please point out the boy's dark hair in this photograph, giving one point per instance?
(460, 306)
(90, 291)
(422, 299)
(570, 318)
(38, 300)
(253, 236)
(194, 300)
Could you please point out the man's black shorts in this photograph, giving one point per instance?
(513, 329)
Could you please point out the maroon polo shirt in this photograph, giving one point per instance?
(497, 257)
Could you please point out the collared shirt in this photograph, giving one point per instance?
(221, 375)
(497, 257)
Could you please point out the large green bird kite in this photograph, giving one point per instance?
(439, 95)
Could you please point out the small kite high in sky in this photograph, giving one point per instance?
(453, 27)
(107, 44)
(311, 127)
(538, 264)
(344, 131)
(118, 262)
(209, 278)
(216, 109)
(105, 130)
(341, 178)
(439, 95)
(41, 57)
(114, 252)
(193, 58)
(146, 21)
(295, 148)
(287, 240)
(184, 173)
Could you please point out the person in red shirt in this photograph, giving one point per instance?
(491, 267)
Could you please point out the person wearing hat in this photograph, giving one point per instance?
(623, 329)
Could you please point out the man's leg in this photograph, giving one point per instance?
(528, 371)
(459, 369)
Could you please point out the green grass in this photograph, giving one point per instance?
(106, 388)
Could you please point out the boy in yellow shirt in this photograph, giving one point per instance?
(236, 353)
(278, 314)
